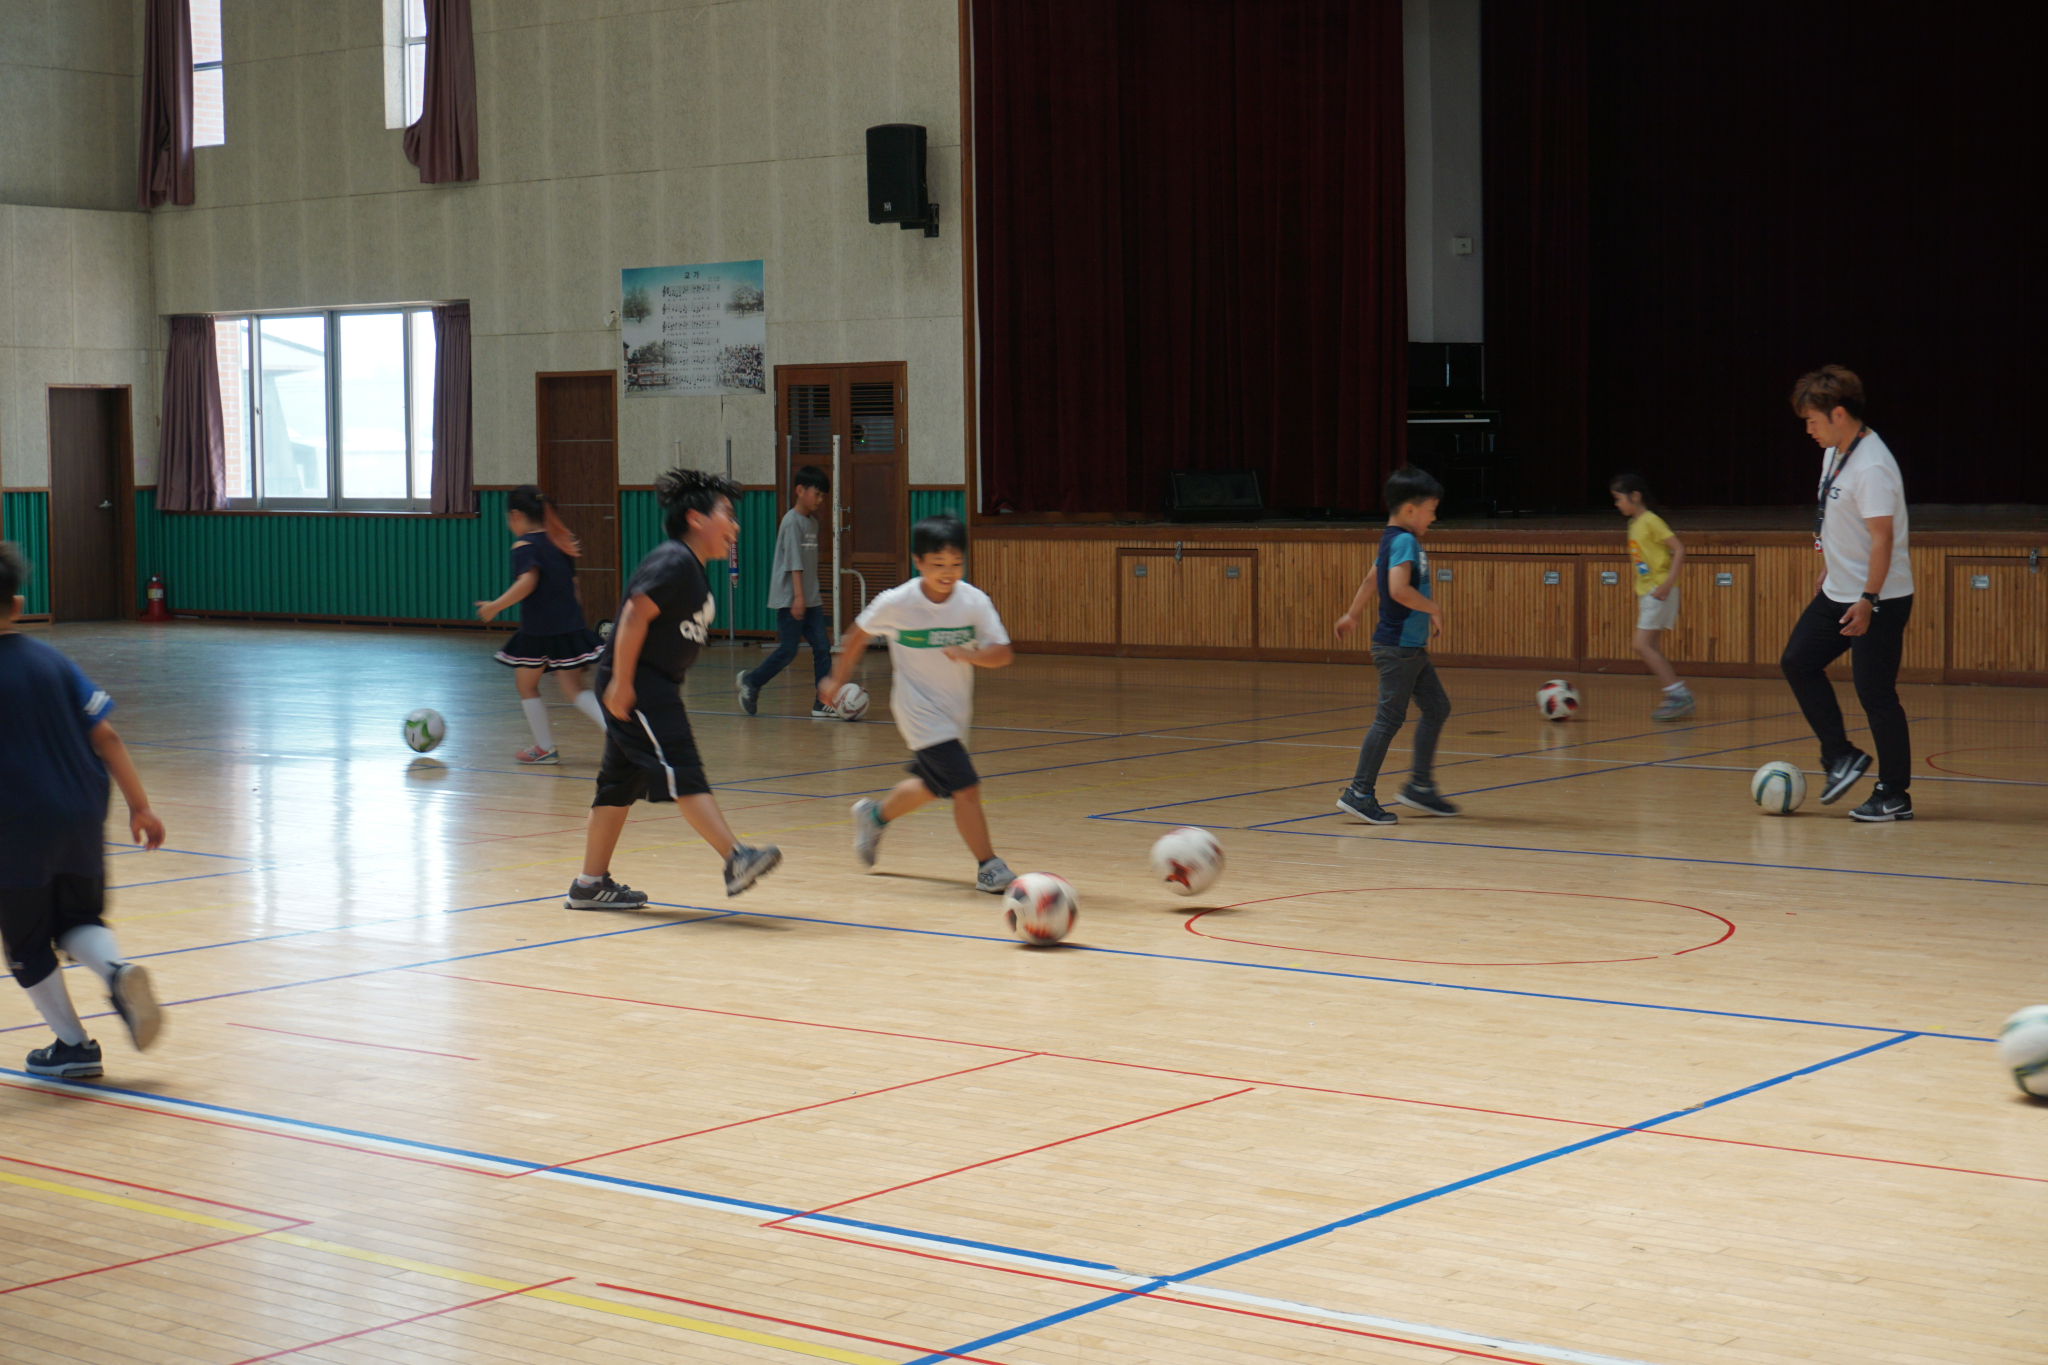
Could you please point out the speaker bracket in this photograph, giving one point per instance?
(930, 221)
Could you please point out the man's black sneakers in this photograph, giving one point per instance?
(1366, 807)
(1428, 800)
(1843, 774)
(1884, 804)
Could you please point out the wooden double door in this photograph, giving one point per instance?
(866, 407)
(577, 422)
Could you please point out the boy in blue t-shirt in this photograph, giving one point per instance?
(1400, 647)
(56, 751)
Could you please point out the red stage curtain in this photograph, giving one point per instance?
(1190, 246)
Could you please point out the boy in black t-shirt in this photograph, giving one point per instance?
(56, 750)
(663, 620)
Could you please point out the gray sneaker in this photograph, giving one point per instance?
(135, 1002)
(867, 831)
(606, 895)
(750, 695)
(994, 877)
(71, 1061)
(748, 865)
(1675, 706)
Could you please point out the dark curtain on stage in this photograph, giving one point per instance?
(1763, 198)
(1190, 234)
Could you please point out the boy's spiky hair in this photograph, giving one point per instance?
(1409, 484)
(14, 572)
(683, 491)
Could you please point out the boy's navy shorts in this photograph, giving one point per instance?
(653, 755)
(944, 768)
(32, 918)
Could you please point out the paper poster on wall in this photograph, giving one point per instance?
(695, 329)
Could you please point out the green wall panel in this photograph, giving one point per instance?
(640, 531)
(25, 520)
(936, 502)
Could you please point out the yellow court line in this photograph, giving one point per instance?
(442, 1272)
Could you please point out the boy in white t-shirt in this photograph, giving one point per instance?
(940, 629)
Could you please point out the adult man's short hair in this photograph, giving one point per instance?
(1828, 388)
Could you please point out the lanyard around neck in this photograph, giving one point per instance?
(1820, 510)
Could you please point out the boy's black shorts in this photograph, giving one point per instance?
(32, 918)
(944, 768)
(653, 756)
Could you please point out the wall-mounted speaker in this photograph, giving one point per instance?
(1215, 495)
(896, 182)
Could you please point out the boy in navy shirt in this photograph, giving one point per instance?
(56, 750)
(1400, 647)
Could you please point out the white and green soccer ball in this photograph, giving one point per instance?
(424, 729)
(1778, 787)
(2023, 1048)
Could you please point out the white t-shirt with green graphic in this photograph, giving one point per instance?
(932, 696)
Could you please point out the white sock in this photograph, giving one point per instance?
(586, 702)
(1678, 686)
(585, 879)
(53, 1002)
(92, 946)
(537, 719)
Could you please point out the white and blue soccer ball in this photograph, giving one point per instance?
(2023, 1048)
(1778, 787)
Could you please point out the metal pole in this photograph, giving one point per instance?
(837, 631)
(732, 579)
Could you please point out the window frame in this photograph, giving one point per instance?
(407, 41)
(421, 500)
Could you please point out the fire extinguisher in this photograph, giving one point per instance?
(159, 603)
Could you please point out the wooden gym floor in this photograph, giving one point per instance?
(1613, 1069)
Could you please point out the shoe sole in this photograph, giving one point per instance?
(552, 760)
(136, 1003)
(1836, 790)
(1390, 819)
(1425, 810)
(78, 1071)
(603, 905)
(1891, 819)
(757, 871)
(993, 890)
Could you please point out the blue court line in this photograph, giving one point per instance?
(334, 928)
(195, 877)
(1382, 1210)
(188, 852)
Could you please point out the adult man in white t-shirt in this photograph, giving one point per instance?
(1863, 597)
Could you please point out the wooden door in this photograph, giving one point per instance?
(1198, 598)
(866, 407)
(88, 440)
(578, 426)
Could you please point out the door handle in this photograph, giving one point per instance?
(105, 505)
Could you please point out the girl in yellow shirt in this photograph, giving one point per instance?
(1658, 556)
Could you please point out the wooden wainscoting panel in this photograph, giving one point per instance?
(1304, 587)
(1508, 606)
(1998, 627)
(1051, 590)
(1201, 599)
(1715, 597)
(1784, 576)
(1610, 611)
(1927, 633)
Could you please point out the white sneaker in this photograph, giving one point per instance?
(994, 877)
(867, 831)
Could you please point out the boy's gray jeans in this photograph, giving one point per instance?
(1404, 673)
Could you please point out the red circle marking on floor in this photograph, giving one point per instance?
(1978, 749)
(1431, 962)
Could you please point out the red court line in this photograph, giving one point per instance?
(1007, 1156)
(160, 1256)
(792, 1322)
(387, 1326)
(323, 1038)
(740, 1123)
(247, 1128)
(1241, 1080)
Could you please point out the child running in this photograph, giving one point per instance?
(1400, 649)
(940, 629)
(664, 619)
(1658, 556)
(552, 636)
(56, 750)
(794, 594)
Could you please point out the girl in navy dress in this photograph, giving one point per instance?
(553, 636)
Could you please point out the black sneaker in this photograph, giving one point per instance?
(1366, 807)
(606, 895)
(820, 711)
(748, 865)
(1884, 804)
(750, 695)
(1425, 799)
(1843, 774)
(135, 1002)
(72, 1061)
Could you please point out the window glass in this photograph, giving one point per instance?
(415, 59)
(292, 406)
(422, 403)
(231, 345)
(209, 103)
(372, 368)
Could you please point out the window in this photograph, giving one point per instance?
(405, 62)
(331, 410)
(209, 84)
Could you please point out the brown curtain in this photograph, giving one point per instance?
(192, 448)
(443, 143)
(165, 168)
(454, 459)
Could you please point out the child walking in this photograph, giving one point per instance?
(56, 751)
(1400, 649)
(552, 636)
(793, 592)
(649, 753)
(1658, 556)
(940, 629)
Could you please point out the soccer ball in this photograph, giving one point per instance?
(1040, 908)
(1778, 787)
(1557, 699)
(2023, 1046)
(852, 702)
(424, 729)
(1188, 860)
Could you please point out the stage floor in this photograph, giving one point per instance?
(1611, 1069)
